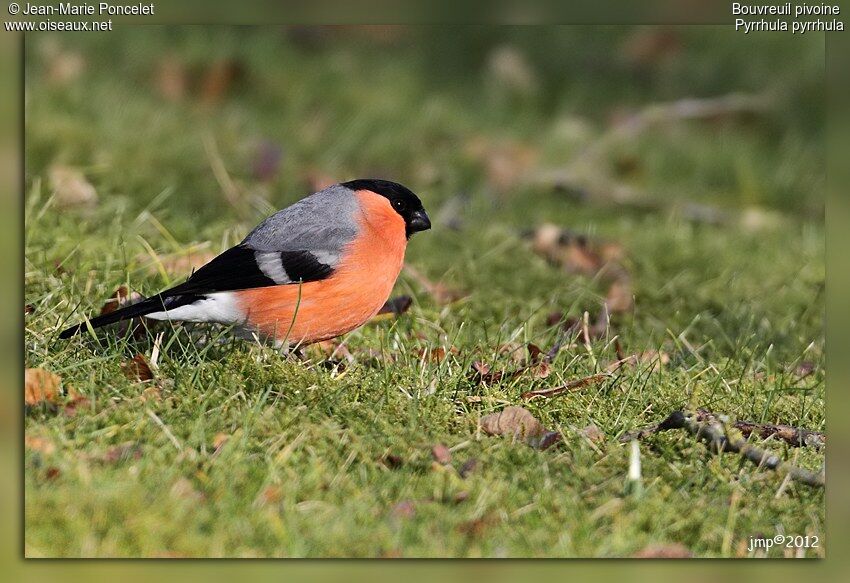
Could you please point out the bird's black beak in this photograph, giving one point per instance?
(419, 221)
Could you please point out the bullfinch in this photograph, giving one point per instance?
(313, 271)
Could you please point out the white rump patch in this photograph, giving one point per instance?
(218, 307)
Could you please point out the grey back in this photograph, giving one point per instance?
(321, 224)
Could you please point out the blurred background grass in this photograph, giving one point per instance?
(412, 101)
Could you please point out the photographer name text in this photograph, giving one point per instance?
(98, 9)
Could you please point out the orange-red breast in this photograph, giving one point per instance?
(313, 271)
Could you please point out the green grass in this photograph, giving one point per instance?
(303, 471)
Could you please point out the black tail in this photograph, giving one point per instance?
(148, 306)
(234, 269)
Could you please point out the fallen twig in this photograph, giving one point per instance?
(538, 363)
(682, 110)
(571, 386)
(794, 436)
(710, 428)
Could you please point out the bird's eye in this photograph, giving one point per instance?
(398, 204)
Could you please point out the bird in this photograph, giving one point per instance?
(313, 271)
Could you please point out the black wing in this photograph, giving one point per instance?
(237, 268)
(241, 267)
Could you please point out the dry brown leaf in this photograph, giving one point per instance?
(436, 354)
(620, 298)
(137, 369)
(71, 187)
(171, 78)
(540, 370)
(441, 454)
(612, 252)
(332, 354)
(75, 401)
(535, 353)
(659, 359)
(519, 423)
(151, 394)
(40, 386)
(481, 373)
(39, 444)
(577, 255)
(120, 297)
(477, 527)
(593, 433)
(561, 247)
(514, 350)
(271, 494)
(219, 79)
(664, 551)
(219, 440)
